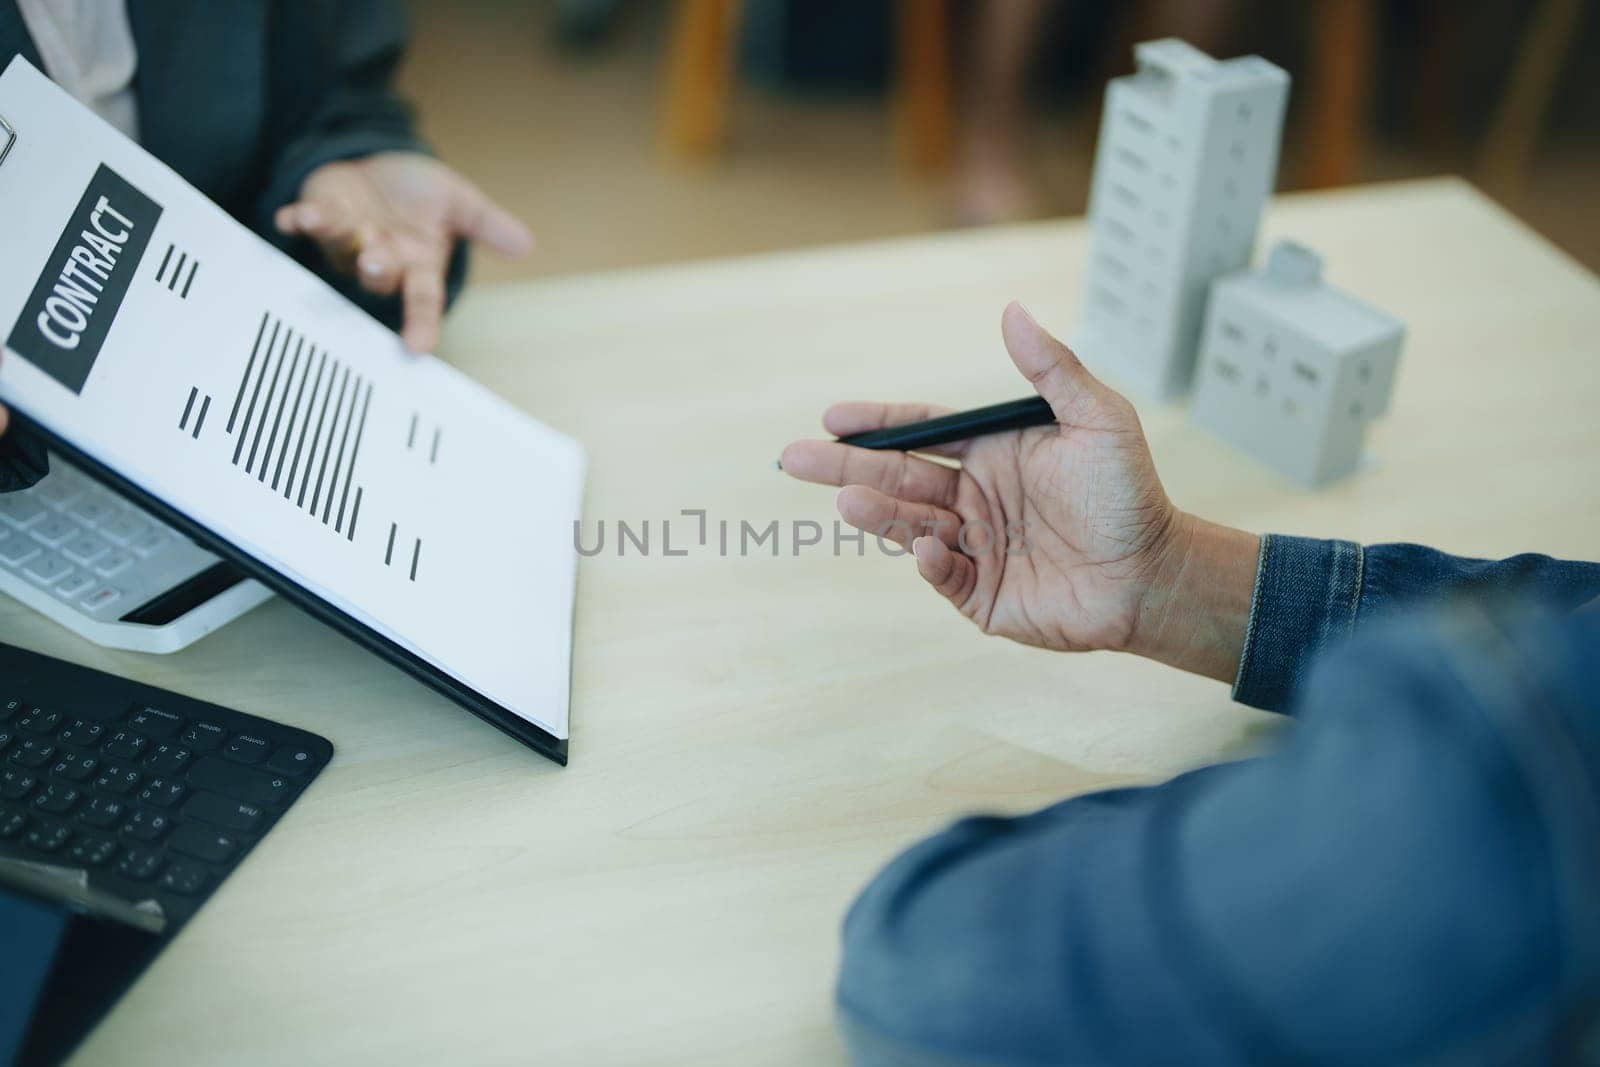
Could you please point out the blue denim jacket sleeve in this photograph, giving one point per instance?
(1310, 594)
(1409, 878)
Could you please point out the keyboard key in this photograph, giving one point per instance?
(221, 811)
(95, 851)
(185, 879)
(74, 585)
(154, 722)
(58, 491)
(93, 509)
(246, 748)
(15, 551)
(204, 843)
(204, 736)
(6, 737)
(19, 510)
(53, 532)
(16, 784)
(48, 569)
(114, 564)
(147, 825)
(40, 723)
(32, 752)
(85, 549)
(167, 760)
(291, 760)
(12, 823)
(102, 812)
(10, 707)
(83, 733)
(103, 597)
(149, 543)
(140, 864)
(163, 792)
(127, 745)
(241, 783)
(51, 838)
(79, 768)
(57, 799)
(117, 779)
(121, 530)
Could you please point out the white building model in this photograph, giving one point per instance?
(1187, 157)
(1291, 370)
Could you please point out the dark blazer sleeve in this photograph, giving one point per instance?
(23, 460)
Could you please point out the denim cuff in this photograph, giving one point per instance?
(1306, 596)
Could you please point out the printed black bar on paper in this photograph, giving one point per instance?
(311, 457)
(355, 513)
(250, 412)
(294, 415)
(266, 409)
(355, 450)
(344, 439)
(327, 450)
(277, 419)
(244, 382)
(288, 490)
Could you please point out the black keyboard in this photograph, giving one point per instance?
(156, 797)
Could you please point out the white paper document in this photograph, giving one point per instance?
(165, 341)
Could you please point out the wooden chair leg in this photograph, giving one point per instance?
(925, 96)
(1341, 77)
(699, 77)
(1508, 149)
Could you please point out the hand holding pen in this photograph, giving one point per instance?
(1058, 535)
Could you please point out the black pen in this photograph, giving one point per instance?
(996, 418)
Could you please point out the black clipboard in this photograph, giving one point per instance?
(497, 715)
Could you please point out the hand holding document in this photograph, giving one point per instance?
(191, 364)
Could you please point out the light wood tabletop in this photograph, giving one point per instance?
(754, 735)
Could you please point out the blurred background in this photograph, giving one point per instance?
(631, 132)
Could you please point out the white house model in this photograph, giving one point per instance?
(1187, 157)
(1291, 370)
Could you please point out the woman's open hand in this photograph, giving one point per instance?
(392, 220)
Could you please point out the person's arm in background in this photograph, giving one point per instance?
(1267, 910)
(352, 188)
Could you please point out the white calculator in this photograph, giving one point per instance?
(105, 569)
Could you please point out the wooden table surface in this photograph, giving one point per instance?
(754, 735)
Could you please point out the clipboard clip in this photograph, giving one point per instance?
(9, 133)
